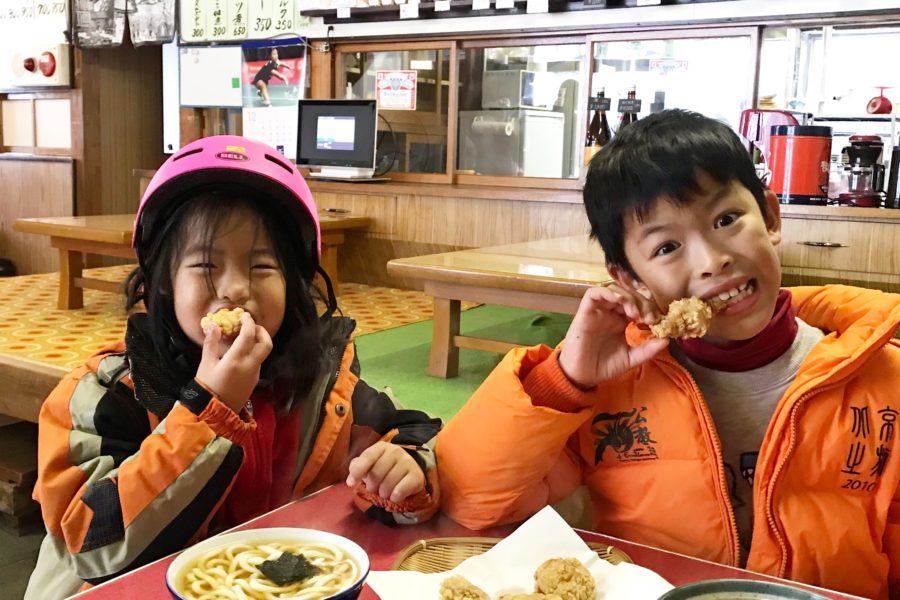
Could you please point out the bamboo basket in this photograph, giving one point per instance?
(442, 554)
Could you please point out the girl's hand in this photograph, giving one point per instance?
(388, 470)
(232, 371)
(595, 349)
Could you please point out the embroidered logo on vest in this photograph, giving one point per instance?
(861, 469)
(626, 433)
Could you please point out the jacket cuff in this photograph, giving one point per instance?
(226, 423)
(414, 509)
(195, 396)
(548, 386)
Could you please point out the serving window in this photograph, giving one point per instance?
(412, 83)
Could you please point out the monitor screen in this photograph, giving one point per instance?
(337, 133)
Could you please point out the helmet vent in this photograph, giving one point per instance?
(280, 163)
(188, 153)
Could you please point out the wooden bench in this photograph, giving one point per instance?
(110, 235)
(549, 275)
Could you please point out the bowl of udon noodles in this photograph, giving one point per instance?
(278, 562)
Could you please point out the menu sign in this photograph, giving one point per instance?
(35, 20)
(224, 20)
(629, 105)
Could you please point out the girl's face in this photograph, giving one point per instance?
(718, 245)
(244, 271)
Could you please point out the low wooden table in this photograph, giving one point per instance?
(332, 510)
(549, 275)
(110, 235)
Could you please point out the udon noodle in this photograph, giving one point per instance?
(230, 572)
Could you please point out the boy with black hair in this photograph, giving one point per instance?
(768, 443)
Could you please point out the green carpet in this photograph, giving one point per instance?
(397, 358)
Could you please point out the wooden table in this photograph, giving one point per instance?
(332, 510)
(110, 235)
(549, 275)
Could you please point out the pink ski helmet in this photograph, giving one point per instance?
(227, 160)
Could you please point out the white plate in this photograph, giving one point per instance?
(274, 534)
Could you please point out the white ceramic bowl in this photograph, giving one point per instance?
(275, 534)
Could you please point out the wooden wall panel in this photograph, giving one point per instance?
(409, 224)
(32, 188)
(321, 81)
(119, 92)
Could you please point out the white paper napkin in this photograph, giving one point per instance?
(509, 567)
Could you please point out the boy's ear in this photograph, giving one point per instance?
(773, 217)
(626, 280)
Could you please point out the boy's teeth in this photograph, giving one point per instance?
(732, 295)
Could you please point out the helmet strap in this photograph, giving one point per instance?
(330, 299)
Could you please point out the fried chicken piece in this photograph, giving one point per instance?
(687, 318)
(566, 578)
(458, 587)
(530, 597)
(229, 321)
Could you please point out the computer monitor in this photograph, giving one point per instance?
(338, 136)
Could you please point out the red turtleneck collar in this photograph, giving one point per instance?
(745, 355)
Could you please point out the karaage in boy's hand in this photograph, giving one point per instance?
(229, 321)
(686, 318)
(565, 577)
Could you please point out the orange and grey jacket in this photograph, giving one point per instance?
(825, 499)
(126, 477)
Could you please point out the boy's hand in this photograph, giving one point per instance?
(387, 470)
(232, 371)
(595, 349)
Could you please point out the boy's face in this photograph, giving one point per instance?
(718, 244)
(244, 271)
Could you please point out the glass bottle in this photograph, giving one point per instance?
(603, 135)
(590, 138)
(629, 117)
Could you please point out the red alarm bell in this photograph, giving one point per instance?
(47, 64)
(880, 105)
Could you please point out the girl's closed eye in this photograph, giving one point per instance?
(265, 266)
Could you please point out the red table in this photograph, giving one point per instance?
(332, 510)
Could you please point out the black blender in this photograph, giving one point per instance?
(864, 172)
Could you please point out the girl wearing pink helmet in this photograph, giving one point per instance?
(180, 432)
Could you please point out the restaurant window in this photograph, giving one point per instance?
(410, 140)
(815, 73)
(818, 70)
(711, 71)
(520, 110)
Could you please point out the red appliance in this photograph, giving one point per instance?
(799, 158)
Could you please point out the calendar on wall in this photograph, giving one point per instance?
(273, 125)
(237, 20)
